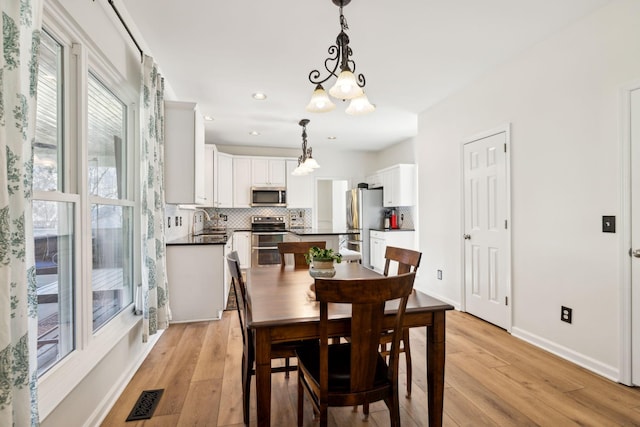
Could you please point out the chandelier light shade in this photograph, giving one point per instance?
(306, 162)
(348, 85)
(320, 101)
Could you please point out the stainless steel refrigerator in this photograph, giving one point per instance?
(364, 212)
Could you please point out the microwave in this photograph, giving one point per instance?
(268, 196)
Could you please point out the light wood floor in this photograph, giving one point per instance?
(492, 379)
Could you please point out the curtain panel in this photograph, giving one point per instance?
(155, 297)
(21, 26)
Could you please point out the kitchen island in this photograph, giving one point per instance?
(195, 271)
(331, 235)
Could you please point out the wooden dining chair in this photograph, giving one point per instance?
(355, 372)
(408, 261)
(278, 351)
(298, 250)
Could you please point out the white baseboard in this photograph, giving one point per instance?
(110, 398)
(595, 366)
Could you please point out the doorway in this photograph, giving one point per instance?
(632, 308)
(330, 212)
(486, 227)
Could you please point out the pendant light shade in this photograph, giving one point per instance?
(346, 87)
(320, 101)
(306, 162)
(311, 163)
(360, 105)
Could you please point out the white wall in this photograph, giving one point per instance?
(562, 100)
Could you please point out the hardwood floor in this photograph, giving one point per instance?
(492, 379)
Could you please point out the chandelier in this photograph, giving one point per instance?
(347, 86)
(306, 163)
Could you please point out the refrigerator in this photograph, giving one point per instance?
(364, 212)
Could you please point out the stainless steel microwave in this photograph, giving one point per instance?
(268, 196)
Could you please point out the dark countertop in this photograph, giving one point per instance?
(198, 240)
(392, 229)
(321, 231)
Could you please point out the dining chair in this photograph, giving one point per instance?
(408, 261)
(278, 351)
(298, 250)
(354, 372)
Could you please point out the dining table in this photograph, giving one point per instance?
(282, 307)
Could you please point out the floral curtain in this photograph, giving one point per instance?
(155, 298)
(21, 24)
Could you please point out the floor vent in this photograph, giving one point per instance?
(146, 404)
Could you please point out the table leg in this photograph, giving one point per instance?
(435, 368)
(263, 377)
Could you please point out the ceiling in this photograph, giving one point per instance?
(413, 54)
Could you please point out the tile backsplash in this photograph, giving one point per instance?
(241, 218)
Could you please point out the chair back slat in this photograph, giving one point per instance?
(408, 260)
(239, 290)
(367, 298)
(298, 250)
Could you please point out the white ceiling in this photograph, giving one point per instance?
(413, 54)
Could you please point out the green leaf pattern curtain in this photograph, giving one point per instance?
(21, 24)
(155, 298)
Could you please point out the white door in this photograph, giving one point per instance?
(635, 235)
(486, 237)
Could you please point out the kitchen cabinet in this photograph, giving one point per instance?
(299, 188)
(241, 182)
(374, 181)
(195, 279)
(242, 245)
(379, 240)
(184, 154)
(398, 185)
(268, 172)
(218, 178)
(224, 181)
(228, 248)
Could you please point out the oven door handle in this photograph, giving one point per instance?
(264, 247)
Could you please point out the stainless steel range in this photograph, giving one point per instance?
(266, 233)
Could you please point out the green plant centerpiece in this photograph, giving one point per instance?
(321, 261)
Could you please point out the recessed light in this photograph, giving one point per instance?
(331, 138)
(208, 118)
(254, 133)
(259, 96)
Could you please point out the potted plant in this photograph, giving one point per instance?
(321, 261)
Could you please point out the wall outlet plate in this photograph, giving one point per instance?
(566, 314)
(608, 224)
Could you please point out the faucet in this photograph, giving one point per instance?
(193, 222)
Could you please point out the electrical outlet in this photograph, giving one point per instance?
(439, 274)
(176, 219)
(566, 314)
(180, 221)
(169, 222)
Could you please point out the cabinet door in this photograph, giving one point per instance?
(184, 165)
(377, 254)
(241, 182)
(299, 188)
(225, 181)
(242, 245)
(260, 171)
(386, 177)
(277, 173)
(210, 168)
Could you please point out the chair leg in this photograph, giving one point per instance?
(300, 400)
(246, 395)
(286, 364)
(407, 355)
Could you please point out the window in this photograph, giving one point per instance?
(83, 225)
(53, 216)
(111, 214)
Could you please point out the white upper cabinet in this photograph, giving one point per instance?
(224, 181)
(398, 185)
(241, 182)
(299, 188)
(210, 162)
(268, 172)
(184, 165)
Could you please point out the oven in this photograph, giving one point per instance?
(266, 233)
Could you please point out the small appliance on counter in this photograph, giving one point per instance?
(296, 219)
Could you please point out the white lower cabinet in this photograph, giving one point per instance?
(242, 245)
(195, 276)
(379, 240)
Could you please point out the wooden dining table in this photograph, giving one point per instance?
(282, 308)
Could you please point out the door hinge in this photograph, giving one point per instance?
(505, 147)
(506, 300)
(505, 224)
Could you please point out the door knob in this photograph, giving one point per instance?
(635, 253)
(468, 237)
